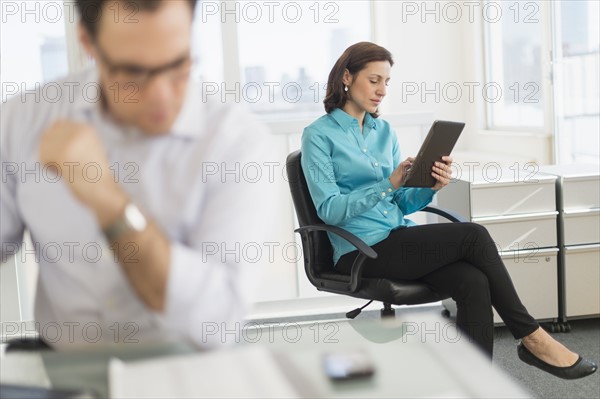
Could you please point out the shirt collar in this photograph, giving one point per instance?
(370, 121)
(190, 119)
(345, 120)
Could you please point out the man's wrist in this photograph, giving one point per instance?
(109, 208)
(130, 220)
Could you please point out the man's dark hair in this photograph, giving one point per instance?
(90, 11)
(354, 59)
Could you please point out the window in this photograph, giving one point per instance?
(514, 87)
(274, 56)
(543, 57)
(577, 85)
(34, 48)
(279, 53)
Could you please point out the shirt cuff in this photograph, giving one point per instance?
(185, 268)
(384, 188)
(192, 310)
(426, 194)
(191, 285)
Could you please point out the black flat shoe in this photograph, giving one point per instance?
(581, 368)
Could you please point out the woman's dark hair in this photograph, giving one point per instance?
(90, 11)
(354, 59)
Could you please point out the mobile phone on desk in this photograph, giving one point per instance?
(348, 365)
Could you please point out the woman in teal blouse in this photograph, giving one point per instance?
(353, 167)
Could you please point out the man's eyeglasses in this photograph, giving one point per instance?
(138, 75)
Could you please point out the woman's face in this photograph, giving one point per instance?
(367, 88)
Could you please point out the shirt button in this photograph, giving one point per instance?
(383, 194)
(376, 164)
(364, 150)
(389, 190)
(385, 212)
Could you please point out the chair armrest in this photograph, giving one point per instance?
(364, 252)
(452, 216)
(359, 244)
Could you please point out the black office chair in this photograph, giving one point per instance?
(318, 255)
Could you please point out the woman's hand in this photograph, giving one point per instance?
(442, 172)
(399, 174)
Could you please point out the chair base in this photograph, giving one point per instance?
(387, 311)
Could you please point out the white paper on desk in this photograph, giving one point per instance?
(245, 372)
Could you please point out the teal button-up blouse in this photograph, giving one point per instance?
(347, 172)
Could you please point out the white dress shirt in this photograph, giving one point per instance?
(198, 183)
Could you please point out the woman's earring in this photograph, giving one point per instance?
(346, 89)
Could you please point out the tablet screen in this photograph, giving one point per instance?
(439, 142)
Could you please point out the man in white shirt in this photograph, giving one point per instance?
(131, 188)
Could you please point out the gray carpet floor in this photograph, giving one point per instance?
(584, 339)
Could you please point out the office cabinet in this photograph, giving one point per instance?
(578, 202)
(519, 210)
(581, 227)
(582, 277)
(539, 266)
(489, 198)
(523, 231)
(507, 194)
(580, 185)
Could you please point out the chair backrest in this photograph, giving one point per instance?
(318, 252)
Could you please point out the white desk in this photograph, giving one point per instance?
(422, 356)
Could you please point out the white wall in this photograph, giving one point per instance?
(425, 54)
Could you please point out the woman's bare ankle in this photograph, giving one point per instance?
(546, 348)
(536, 339)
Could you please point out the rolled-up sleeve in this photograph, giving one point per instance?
(206, 297)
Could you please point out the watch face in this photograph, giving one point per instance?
(135, 219)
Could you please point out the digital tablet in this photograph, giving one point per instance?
(439, 142)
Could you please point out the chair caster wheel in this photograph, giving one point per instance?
(558, 327)
(551, 327)
(565, 327)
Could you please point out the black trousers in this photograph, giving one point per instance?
(459, 260)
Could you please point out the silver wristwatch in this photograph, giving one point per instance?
(132, 220)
